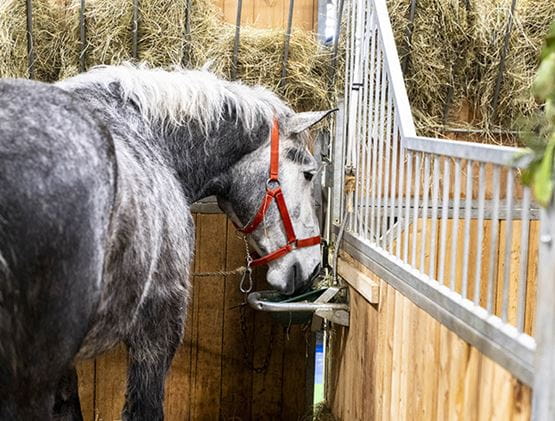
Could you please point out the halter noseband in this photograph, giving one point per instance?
(273, 192)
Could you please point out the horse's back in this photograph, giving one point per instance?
(57, 172)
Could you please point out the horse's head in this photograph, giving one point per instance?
(253, 202)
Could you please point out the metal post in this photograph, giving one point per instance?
(236, 42)
(286, 44)
(186, 47)
(543, 406)
(408, 35)
(135, 31)
(82, 36)
(30, 48)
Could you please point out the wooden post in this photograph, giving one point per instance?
(543, 406)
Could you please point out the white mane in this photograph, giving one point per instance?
(179, 95)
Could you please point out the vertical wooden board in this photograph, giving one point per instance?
(531, 284)
(303, 14)
(229, 9)
(85, 383)
(209, 298)
(522, 399)
(513, 250)
(485, 404)
(177, 404)
(382, 367)
(266, 386)
(236, 377)
(502, 386)
(111, 373)
(431, 356)
(472, 387)
(443, 381)
(397, 357)
(270, 13)
(294, 366)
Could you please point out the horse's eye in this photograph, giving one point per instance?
(308, 175)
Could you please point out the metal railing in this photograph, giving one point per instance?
(444, 222)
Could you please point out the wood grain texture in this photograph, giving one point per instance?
(422, 371)
(208, 378)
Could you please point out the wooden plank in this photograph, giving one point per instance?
(209, 299)
(236, 377)
(229, 9)
(303, 14)
(85, 383)
(294, 365)
(362, 283)
(270, 13)
(533, 258)
(111, 378)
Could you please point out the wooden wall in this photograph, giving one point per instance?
(396, 362)
(208, 379)
(272, 13)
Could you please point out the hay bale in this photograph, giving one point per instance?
(260, 58)
(13, 39)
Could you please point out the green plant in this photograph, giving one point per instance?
(541, 145)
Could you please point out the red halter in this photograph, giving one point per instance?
(277, 195)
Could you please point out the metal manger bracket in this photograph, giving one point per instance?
(334, 312)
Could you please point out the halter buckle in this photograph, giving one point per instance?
(272, 182)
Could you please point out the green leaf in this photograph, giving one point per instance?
(543, 175)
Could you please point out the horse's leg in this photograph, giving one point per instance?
(152, 346)
(66, 405)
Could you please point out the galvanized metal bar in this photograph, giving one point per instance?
(502, 59)
(467, 223)
(370, 116)
(82, 37)
(338, 162)
(407, 207)
(400, 220)
(135, 31)
(30, 39)
(455, 224)
(408, 35)
(391, 60)
(286, 43)
(497, 340)
(393, 214)
(494, 243)
(236, 40)
(543, 403)
(339, 20)
(387, 145)
(434, 212)
(508, 246)
(375, 140)
(480, 236)
(495, 154)
(425, 198)
(381, 146)
(444, 217)
(523, 261)
(416, 198)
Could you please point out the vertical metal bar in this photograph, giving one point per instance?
(333, 67)
(444, 217)
(455, 225)
(30, 39)
(508, 245)
(185, 57)
(524, 249)
(135, 31)
(381, 140)
(480, 236)
(407, 207)
(543, 404)
(375, 140)
(286, 44)
(236, 40)
(387, 145)
(82, 36)
(425, 198)
(400, 222)
(369, 132)
(467, 222)
(408, 35)
(494, 244)
(502, 60)
(435, 205)
(417, 172)
(394, 169)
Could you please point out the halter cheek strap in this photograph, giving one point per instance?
(273, 192)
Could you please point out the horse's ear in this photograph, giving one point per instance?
(300, 122)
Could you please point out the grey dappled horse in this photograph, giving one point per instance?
(97, 175)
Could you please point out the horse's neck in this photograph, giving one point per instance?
(202, 161)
